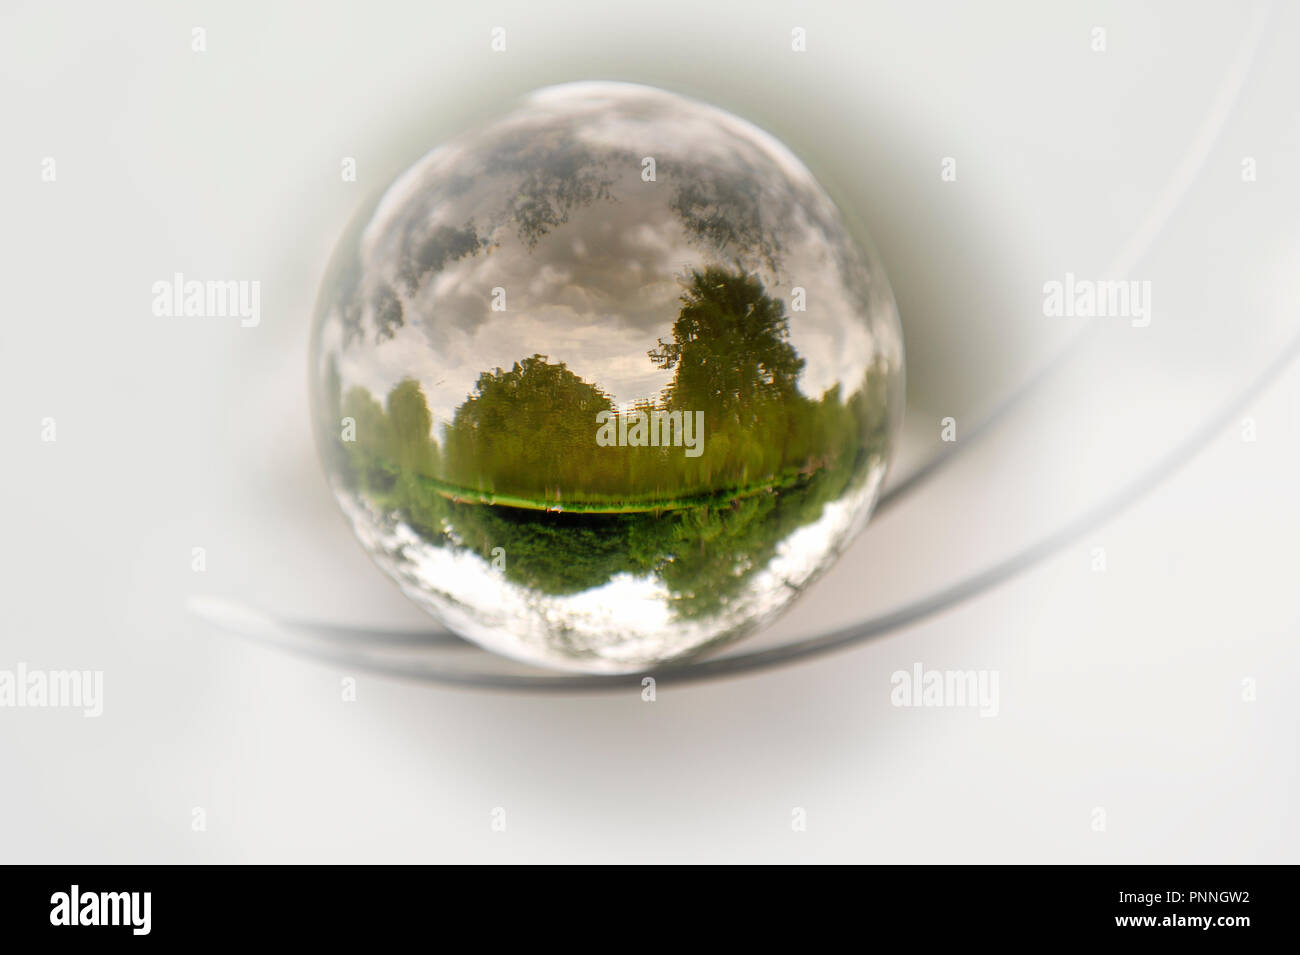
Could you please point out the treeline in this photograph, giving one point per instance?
(704, 551)
(519, 466)
(529, 433)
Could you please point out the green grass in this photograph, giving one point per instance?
(588, 503)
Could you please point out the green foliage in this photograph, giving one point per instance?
(730, 350)
(525, 430)
(409, 427)
(373, 463)
(523, 444)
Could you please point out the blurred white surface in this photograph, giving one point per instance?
(1120, 690)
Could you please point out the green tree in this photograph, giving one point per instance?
(730, 350)
(530, 428)
(371, 447)
(410, 424)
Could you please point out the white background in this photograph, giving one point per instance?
(1120, 690)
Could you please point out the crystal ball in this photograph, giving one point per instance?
(605, 382)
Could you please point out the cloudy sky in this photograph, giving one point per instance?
(550, 205)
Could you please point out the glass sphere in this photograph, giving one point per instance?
(605, 382)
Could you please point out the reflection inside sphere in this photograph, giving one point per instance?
(605, 382)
